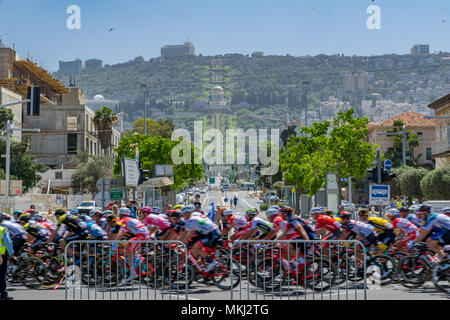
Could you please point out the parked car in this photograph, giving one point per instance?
(348, 206)
(86, 207)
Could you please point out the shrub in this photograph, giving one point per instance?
(436, 184)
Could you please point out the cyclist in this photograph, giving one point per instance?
(358, 230)
(209, 235)
(405, 213)
(438, 225)
(16, 214)
(404, 227)
(383, 228)
(229, 221)
(38, 234)
(99, 219)
(154, 222)
(18, 234)
(113, 224)
(176, 225)
(274, 216)
(325, 222)
(446, 211)
(258, 229)
(76, 229)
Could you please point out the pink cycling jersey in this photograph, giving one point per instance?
(238, 222)
(404, 224)
(134, 226)
(158, 221)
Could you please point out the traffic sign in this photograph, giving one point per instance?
(225, 187)
(256, 176)
(388, 164)
(100, 183)
(212, 180)
(130, 172)
(116, 194)
(380, 195)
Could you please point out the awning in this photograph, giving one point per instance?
(157, 183)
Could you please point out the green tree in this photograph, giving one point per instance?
(396, 154)
(104, 120)
(410, 183)
(90, 170)
(162, 128)
(435, 185)
(5, 115)
(23, 166)
(395, 183)
(305, 161)
(350, 154)
(156, 150)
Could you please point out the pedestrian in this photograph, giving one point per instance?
(6, 249)
(134, 208)
(235, 201)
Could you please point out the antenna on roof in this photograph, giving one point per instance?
(70, 81)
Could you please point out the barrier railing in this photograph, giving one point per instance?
(122, 270)
(299, 269)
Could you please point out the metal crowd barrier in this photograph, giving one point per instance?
(310, 270)
(98, 270)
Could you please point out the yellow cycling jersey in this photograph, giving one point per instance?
(381, 225)
(338, 219)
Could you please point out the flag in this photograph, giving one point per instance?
(211, 211)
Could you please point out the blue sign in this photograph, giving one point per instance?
(256, 176)
(211, 211)
(225, 187)
(388, 165)
(380, 195)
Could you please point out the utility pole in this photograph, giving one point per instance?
(380, 208)
(144, 86)
(305, 85)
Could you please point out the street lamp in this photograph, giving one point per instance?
(144, 86)
(305, 85)
(403, 134)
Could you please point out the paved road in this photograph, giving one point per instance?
(244, 291)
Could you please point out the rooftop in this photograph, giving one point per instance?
(410, 119)
(440, 102)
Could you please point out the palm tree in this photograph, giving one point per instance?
(104, 120)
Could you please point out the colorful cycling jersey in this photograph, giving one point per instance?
(261, 225)
(199, 214)
(156, 220)
(416, 221)
(95, 230)
(360, 228)
(86, 218)
(178, 227)
(14, 229)
(201, 225)
(73, 224)
(279, 223)
(328, 223)
(404, 224)
(103, 223)
(238, 222)
(36, 231)
(381, 225)
(291, 227)
(133, 226)
(47, 225)
(437, 221)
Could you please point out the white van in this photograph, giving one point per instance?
(437, 205)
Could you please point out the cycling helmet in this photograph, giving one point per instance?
(59, 212)
(227, 213)
(96, 213)
(188, 209)
(25, 217)
(4, 216)
(403, 209)
(272, 211)
(124, 212)
(38, 218)
(363, 212)
(287, 210)
(174, 213)
(156, 210)
(106, 212)
(110, 217)
(275, 207)
(74, 212)
(446, 210)
(146, 210)
(251, 211)
(177, 207)
(345, 215)
(424, 208)
(17, 213)
(393, 213)
(316, 210)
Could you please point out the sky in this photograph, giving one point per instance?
(277, 27)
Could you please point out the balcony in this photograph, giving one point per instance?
(441, 147)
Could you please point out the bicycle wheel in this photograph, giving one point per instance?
(112, 272)
(55, 269)
(32, 272)
(441, 276)
(413, 271)
(225, 281)
(320, 274)
(268, 274)
(151, 273)
(176, 276)
(387, 267)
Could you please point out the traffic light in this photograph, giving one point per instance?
(142, 175)
(373, 174)
(33, 107)
(387, 176)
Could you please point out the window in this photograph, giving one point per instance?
(72, 123)
(429, 154)
(72, 146)
(58, 175)
(419, 133)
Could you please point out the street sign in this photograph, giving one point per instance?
(130, 172)
(107, 184)
(256, 176)
(380, 195)
(212, 180)
(225, 187)
(388, 164)
(116, 194)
